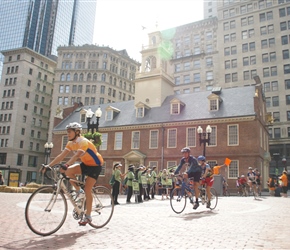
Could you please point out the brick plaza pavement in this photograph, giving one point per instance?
(236, 223)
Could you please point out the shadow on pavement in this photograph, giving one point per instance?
(54, 241)
(198, 215)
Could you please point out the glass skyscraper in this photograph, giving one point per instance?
(43, 25)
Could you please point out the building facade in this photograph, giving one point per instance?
(210, 8)
(26, 94)
(91, 75)
(136, 133)
(44, 25)
(253, 40)
(244, 40)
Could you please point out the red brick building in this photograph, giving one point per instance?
(136, 133)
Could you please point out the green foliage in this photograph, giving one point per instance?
(95, 138)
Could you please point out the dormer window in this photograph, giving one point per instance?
(141, 109)
(176, 106)
(213, 104)
(111, 113)
(214, 99)
(140, 112)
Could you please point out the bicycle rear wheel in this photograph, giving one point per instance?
(213, 199)
(177, 201)
(45, 212)
(102, 207)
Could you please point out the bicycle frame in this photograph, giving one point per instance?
(60, 186)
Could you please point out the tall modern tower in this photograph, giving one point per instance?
(43, 25)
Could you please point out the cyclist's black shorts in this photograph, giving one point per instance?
(91, 171)
(258, 181)
(196, 176)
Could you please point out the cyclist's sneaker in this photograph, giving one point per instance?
(80, 194)
(85, 220)
(190, 200)
(196, 205)
(208, 204)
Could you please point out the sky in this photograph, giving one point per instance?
(124, 24)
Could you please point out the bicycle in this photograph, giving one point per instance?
(179, 195)
(46, 208)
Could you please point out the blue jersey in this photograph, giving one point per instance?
(192, 164)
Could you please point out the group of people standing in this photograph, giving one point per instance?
(144, 179)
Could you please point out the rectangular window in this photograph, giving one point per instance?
(234, 50)
(233, 169)
(118, 140)
(275, 101)
(233, 136)
(186, 79)
(287, 84)
(277, 133)
(135, 142)
(213, 136)
(285, 54)
(191, 137)
(196, 77)
(245, 61)
(104, 145)
(245, 47)
(171, 138)
(153, 143)
(20, 159)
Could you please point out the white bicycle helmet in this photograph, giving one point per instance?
(74, 125)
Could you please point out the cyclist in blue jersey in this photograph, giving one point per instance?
(193, 171)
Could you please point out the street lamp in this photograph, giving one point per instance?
(284, 161)
(276, 157)
(89, 115)
(202, 136)
(47, 152)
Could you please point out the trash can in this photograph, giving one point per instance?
(218, 184)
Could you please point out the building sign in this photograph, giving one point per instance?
(13, 179)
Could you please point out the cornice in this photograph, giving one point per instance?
(172, 124)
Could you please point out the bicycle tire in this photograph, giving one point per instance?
(178, 201)
(41, 221)
(214, 199)
(102, 207)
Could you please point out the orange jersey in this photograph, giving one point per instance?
(284, 180)
(216, 169)
(90, 155)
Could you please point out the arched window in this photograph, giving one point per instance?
(120, 84)
(75, 77)
(95, 77)
(62, 77)
(89, 77)
(115, 81)
(68, 77)
(111, 79)
(103, 77)
(153, 62)
(81, 77)
(153, 40)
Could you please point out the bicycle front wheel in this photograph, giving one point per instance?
(45, 211)
(177, 201)
(102, 207)
(213, 199)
